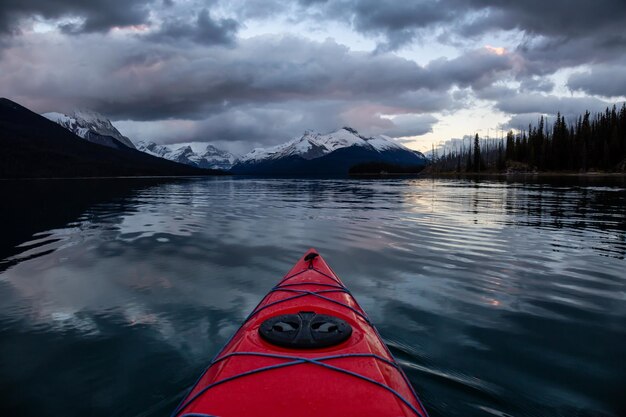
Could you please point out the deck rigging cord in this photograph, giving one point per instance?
(293, 360)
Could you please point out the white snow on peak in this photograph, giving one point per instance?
(58, 117)
(219, 157)
(313, 145)
(383, 143)
(198, 154)
(152, 148)
(82, 122)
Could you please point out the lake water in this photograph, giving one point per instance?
(497, 298)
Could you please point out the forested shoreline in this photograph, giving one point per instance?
(592, 143)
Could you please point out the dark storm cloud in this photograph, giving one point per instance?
(557, 32)
(425, 100)
(571, 18)
(398, 21)
(410, 125)
(477, 69)
(279, 69)
(283, 83)
(202, 29)
(260, 9)
(262, 70)
(522, 103)
(550, 35)
(536, 84)
(546, 55)
(132, 80)
(496, 92)
(522, 121)
(607, 80)
(528, 87)
(96, 15)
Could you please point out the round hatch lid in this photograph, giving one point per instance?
(305, 330)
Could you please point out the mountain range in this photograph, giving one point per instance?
(209, 157)
(85, 143)
(31, 146)
(97, 129)
(312, 153)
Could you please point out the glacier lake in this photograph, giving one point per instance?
(497, 297)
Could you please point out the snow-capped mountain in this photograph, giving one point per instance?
(91, 126)
(313, 145)
(153, 149)
(219, 159)
(332, 153)
(207, 157)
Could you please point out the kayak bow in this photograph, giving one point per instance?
(307, 349)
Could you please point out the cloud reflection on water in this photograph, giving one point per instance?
(450, 271)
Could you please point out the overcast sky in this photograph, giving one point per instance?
(253, 73)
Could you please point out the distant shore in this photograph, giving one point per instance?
(539, 174)
(525, 174)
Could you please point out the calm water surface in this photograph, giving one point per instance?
(497, 298)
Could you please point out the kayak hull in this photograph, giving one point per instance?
(254, 377)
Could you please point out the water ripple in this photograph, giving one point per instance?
(500, 298)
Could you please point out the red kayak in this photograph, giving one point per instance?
(307, 350)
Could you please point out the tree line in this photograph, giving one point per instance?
(591, 142)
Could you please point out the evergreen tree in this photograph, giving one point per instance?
(510, 145)
(476, 154)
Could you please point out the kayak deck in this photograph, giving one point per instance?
(253, 377)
